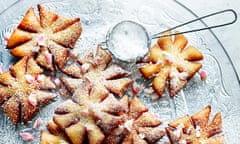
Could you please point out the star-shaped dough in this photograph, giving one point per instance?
(22, 90)
(49, 37)
(171, 62)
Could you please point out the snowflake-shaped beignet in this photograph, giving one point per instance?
(138, 126)
(172, 61)
(74, 121)
(196, 130)
(49, 37)
(98, 72)
(22, 90)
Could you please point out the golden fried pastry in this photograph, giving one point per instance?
(47, 138)
(96, 70)
(22, 90)
(138, 126)
(196, 130)
(172, 61)
(49, 37)
(74, 120)
(94, 117)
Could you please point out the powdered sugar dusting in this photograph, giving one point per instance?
(128, 41)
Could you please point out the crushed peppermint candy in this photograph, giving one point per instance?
(89, 127)
(136, 88)
(48, 57)
(32, 99)
(203, 75)
(37, 123)
(57, 82)
(159, 62)
(178, 130)
(30, 79)
(189, 130)
(27, 136)
(50, 78)
(84, 112)
(177, 133)
(40, 77)
(98, 61)
(41, 40)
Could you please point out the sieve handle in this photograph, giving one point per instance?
(158, 35)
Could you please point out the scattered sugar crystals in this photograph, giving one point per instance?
(128, 41)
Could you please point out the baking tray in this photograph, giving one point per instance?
(221, 90)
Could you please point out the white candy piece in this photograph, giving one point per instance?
(198, 131)
(37, 123)
(30, 79)
(27, 136)
(32, 99)
(48, 57)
